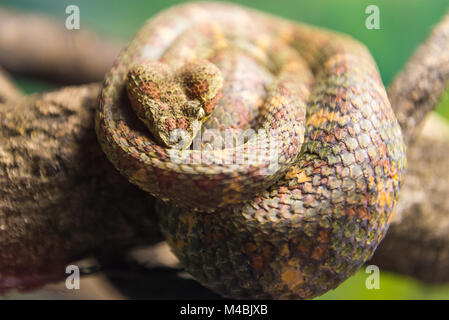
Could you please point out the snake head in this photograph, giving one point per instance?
(168, 100)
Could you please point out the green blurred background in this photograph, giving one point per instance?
(404, 25)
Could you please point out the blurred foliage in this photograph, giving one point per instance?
(404, 25)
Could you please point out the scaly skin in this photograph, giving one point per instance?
(166, 101)
(310, 224)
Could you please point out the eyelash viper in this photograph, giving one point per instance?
(293, 234)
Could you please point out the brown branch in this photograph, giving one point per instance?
(417, 243)
(417, 89)
(8, 90)
(41, 46)
(60, 199)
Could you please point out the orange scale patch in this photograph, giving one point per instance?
(170, 124)
(151, 89)
(183, 123)
(319, 252)
(323, 236)
(363, 213)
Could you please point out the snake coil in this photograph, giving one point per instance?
(313, 221)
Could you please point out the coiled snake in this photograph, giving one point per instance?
(245, 229)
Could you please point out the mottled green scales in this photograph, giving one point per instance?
(305, 227)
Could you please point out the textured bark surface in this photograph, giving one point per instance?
(8, 90)
(417, 89)
(417, 243)
(60, 199)
(41, 46)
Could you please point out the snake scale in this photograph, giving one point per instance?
(293, 232)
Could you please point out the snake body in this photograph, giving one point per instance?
(304, 227)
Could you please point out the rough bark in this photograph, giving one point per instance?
(8, 90)
(417, 89)
(42, 46)
(60, 199)
(417, 243)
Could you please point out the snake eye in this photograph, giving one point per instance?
(193, 110)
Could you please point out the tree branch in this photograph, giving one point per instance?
(417, 243)
(417, 89)
(42, 46)
(60, 198)
(8, 90)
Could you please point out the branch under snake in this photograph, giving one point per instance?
(298, 230)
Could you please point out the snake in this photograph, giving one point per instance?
(189, 111)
